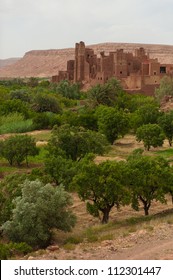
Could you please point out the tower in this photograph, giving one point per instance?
(79, 67)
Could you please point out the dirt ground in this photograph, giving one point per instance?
(155, 246)
(150, 240)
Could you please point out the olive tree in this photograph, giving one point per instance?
(40, 209)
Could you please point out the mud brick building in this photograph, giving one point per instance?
(136, 71)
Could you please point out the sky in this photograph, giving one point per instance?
(54, 24)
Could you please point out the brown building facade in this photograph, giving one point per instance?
(136, 71)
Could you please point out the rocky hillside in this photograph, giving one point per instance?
(45, 63)
(8, 61)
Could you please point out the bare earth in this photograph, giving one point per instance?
(139, 245)
(155, 246)
(152, 240)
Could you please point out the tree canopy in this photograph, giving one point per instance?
(165, 88)
(112, 122)
(151, 135)
(76, 142)
(17, 148)
(103, 186)
(148, 179)
(40, 209)
(166, 123)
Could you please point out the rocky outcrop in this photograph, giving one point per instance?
(46, 63)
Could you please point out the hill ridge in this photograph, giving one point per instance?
(46, 63)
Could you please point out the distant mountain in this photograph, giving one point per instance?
(46, 63)
(8, 61)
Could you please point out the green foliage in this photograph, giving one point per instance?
(76, 142)
(7, 251)
(4, 93)
(165, 88)
(39, 210)
(103, 186)
(14, 106)
(112, 122)
(61, 169)
(43, 102)
(69, 117)
(168, 153)
(32, 82)
(84, 117)
(137, 101)
(67, 147)
(146, 114)
(73, 240)
(148, 179)
(15, 83)
(44, 84)
(21, 94)
(105, 94)
(166, 123)
(10, 188)
(87, 119)
(39, 173)
(17, 148)
(46, 120)
(151, 135)
(41, 121)
(15, 123)
(90, 235)
(69, 90)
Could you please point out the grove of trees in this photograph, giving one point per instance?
(35, 202)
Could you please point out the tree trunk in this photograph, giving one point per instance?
(146, 205)
(146, 208)
(171, 193)
(105, 218)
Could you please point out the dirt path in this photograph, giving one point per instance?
(35, 132)
(158, 250)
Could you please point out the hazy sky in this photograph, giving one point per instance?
(52, 24)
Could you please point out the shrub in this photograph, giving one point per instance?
(15, 123)
(46, 103)
(39, 210)
(46, 120)
(9, 250)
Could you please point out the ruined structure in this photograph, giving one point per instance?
(136, 71)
